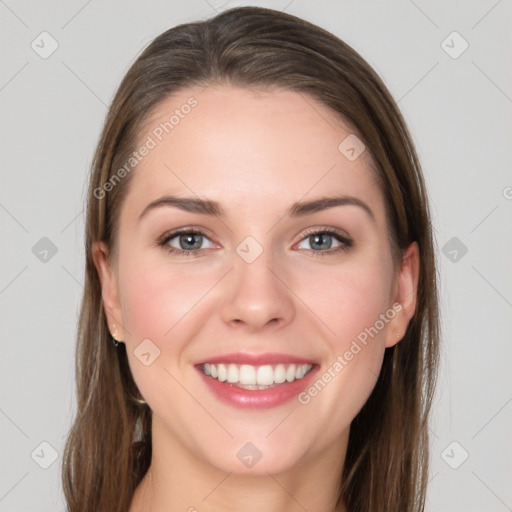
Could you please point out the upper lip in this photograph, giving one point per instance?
(256, 359)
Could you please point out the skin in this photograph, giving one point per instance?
(256, 153)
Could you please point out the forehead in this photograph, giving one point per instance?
(243, 146)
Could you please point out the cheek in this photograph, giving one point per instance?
(165, 306)
(353, 304)
(348, 299)
(157, 299)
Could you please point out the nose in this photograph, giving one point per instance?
(257, 296)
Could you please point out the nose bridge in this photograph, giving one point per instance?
(255, 295)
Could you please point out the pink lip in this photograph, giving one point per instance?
(256, 399)
(256, 359)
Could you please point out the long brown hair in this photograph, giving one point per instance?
(108, 450)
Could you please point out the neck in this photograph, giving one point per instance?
(178, 480)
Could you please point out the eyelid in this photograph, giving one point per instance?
(345, 240)
(325, 229)
(172, 233)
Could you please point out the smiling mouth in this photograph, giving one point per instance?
(246, 376)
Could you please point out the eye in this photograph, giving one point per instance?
(325, 241)
(187, 241)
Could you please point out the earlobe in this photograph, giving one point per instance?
(109, 290)
(406, 294)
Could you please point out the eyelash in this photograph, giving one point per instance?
(346, 242)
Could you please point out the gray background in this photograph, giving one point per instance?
(458, 110)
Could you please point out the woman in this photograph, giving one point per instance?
(259, 329)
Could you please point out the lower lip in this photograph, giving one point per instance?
(258, 399)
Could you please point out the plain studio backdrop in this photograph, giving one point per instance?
(447, 64)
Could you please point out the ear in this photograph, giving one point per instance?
(405, 295)
(109, 290)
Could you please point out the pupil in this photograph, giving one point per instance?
(322, 238)
(187, 241)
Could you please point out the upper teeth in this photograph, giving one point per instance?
(249, 375)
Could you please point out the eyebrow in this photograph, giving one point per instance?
(298, 209)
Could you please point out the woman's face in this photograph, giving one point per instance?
(271, 281)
